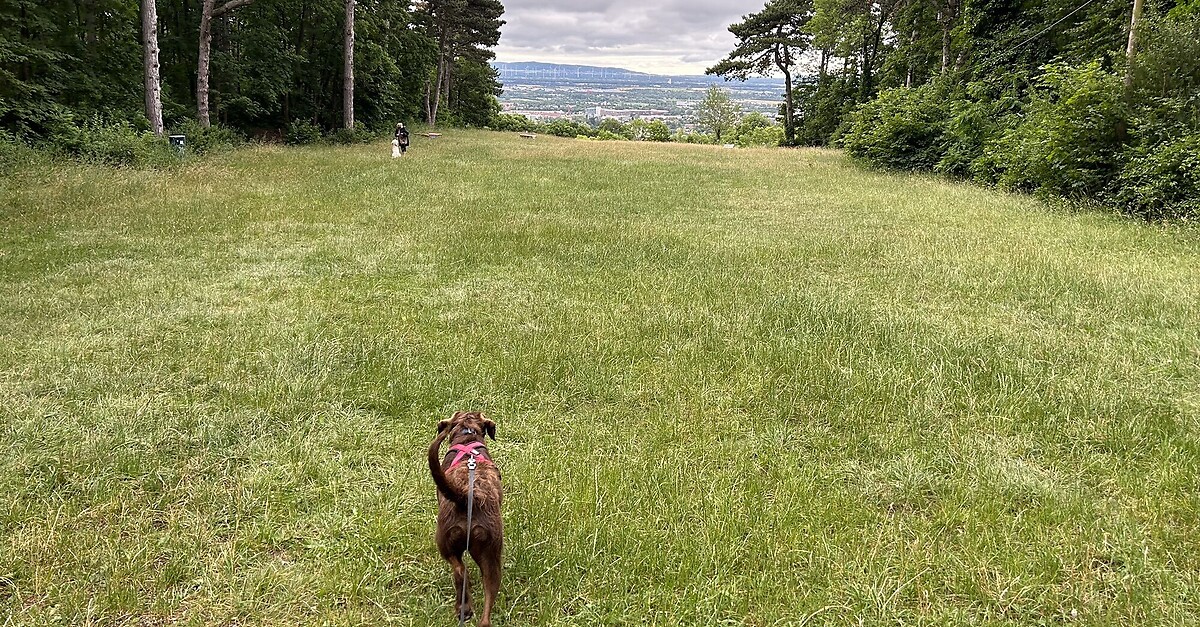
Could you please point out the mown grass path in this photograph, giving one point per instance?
(732, 387)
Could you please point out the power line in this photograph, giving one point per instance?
(1047, 29)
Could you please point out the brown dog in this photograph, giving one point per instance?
(450, 473)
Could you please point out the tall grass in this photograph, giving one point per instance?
(754, 387)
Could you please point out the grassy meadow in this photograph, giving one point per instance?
(733, 387)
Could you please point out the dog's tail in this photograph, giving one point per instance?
(439, 475)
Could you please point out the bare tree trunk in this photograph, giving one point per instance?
(441, 76)
(150, 59)
(945, 43)
(206, 13)
(428, 102)
(1131, 49)
(348, 73)
(912, 41)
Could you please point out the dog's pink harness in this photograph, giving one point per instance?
(465, 450)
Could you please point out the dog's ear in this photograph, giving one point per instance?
(489, 428)
(443, 425)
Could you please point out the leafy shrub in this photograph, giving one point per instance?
(749, 123)
(14, 152)
(302, 133)
(356, 135)
(657, 131)
(202, 141)
(902, 129)
(1070, 140)
(755, 129)
(615, 127)
(605, 135)
(117, 144)
(512, 123)
(568, 128)
(1163, 181)
(973, 119)
(692, 138)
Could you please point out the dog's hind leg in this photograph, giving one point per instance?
(462, 587)
(489, 570)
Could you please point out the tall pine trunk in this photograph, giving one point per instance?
(150, 59)
(348, 72)
(783, 60)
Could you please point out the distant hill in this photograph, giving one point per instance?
(546, 73)
(562, 68)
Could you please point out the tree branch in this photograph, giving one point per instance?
(229, 6)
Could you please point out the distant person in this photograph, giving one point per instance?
(400, 141)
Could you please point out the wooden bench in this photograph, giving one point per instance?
(529, 135)
(431, 135)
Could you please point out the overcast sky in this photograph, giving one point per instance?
(657, 36)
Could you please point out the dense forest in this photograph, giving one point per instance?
(1050, 96)
(73, 72)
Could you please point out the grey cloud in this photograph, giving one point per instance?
(675, 32)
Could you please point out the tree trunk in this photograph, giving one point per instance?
(1131, 49)
(945, 20)
(428, 102)
(443, 47)
(783, 62)
(348, 73)
(150, 59)
(206, 12)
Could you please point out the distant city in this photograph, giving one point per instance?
(582, 93)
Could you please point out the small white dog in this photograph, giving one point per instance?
(395, 148)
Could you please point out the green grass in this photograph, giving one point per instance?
(754, 388)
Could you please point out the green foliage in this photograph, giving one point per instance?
(303, 132)
(651, 131)
(14, 153)
(767, 136)
(820, 108)
(1069, 142)
(1185, 8)
(717, 113)
(216, 138)
(973, 119)
(567, 128)
(692, 138)
(900, 129)
(273, 62)
(357, 135)
(657, 131)
(118, 144)
(1162, 181)
(473, 100)
(615, 127)
(606, 135)
(754, 129)
(511, 122)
